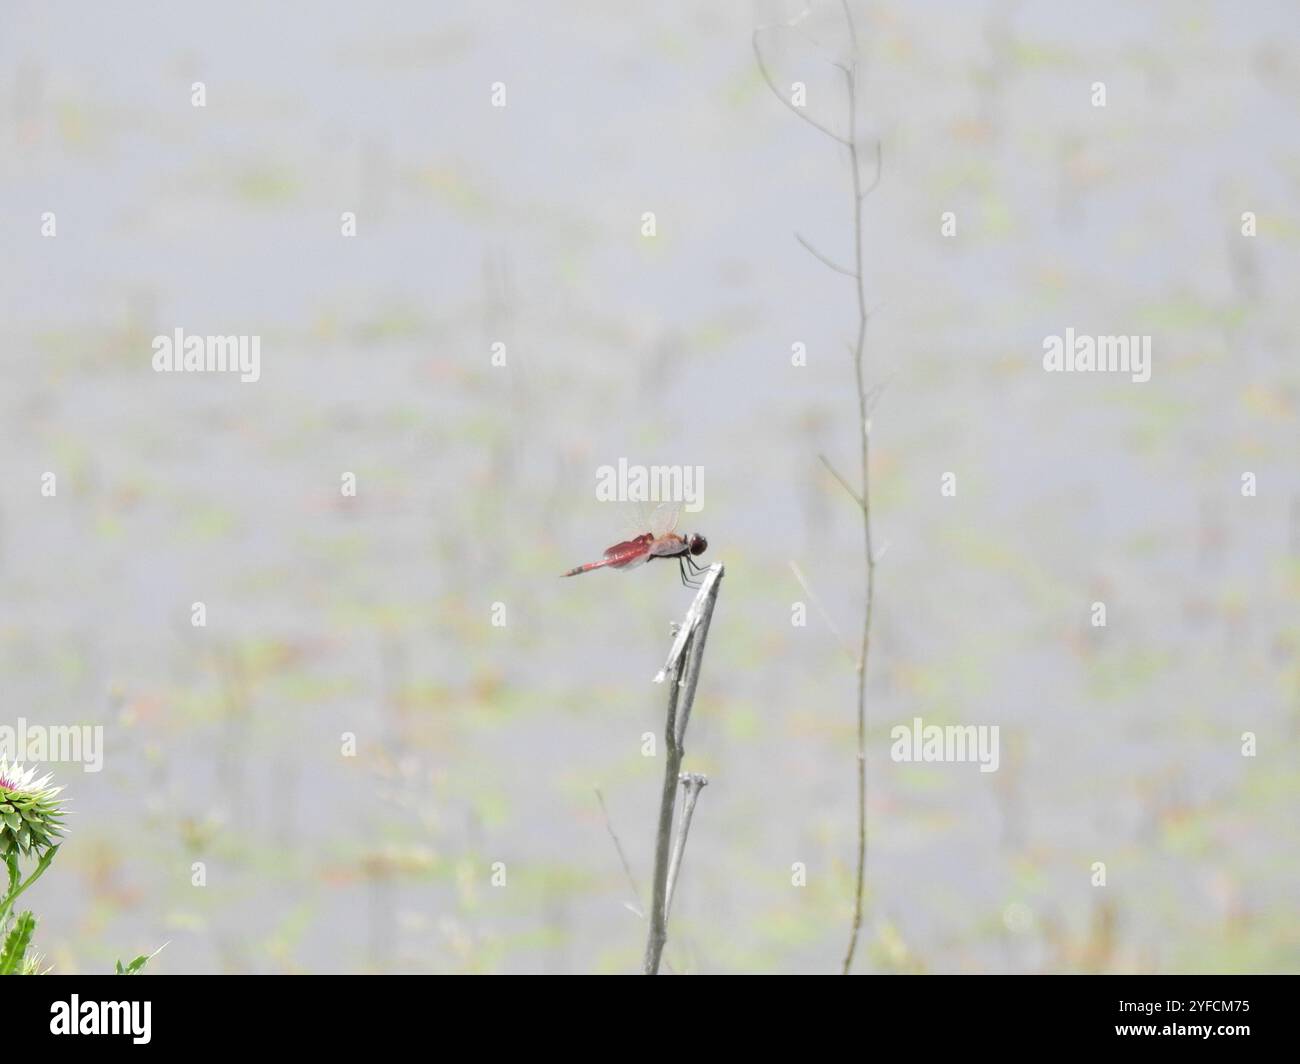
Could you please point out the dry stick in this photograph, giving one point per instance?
(633, 907)
(654, 947)
(702, 610)
(683, 667)
(862, 498)
(823, 259)
(692, 783)
(627, 868)
(706, 595)
(762, 67)
(826, 617)
(842, 482)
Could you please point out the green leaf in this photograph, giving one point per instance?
(15, 947)
(134, 967)
(12, 819)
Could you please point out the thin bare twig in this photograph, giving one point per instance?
(816, 601)
(627, 868)
(853, 30)
(851, 78)
(873, 396)
(823, 259)
(758, 55)
(866, 401)
(843, 483)
(880, 166)
(684, 663)
(692, 784)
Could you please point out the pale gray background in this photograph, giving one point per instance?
(372, 616)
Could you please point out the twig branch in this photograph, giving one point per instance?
(843, 483)
(864, 425)
(762, 67)
(692, 784)
(873, 396)
(823, 259)
(880, 167)
(853, 30)
(654, 948)
(706, 598)
(830, 623)
(866, 401)
(627, 868)
(683, 665)
(693, 617)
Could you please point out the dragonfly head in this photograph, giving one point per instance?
(697, 543)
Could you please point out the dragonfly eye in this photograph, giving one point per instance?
(699, 544)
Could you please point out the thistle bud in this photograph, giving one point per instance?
(31, 819)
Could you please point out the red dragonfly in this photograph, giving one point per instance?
(661, 541)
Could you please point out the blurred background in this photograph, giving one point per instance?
(478, 744)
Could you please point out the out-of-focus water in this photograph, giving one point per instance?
(373, 616)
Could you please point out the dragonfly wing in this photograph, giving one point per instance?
(634, 519)
(663, 518)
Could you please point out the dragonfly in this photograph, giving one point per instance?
(660, 541)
